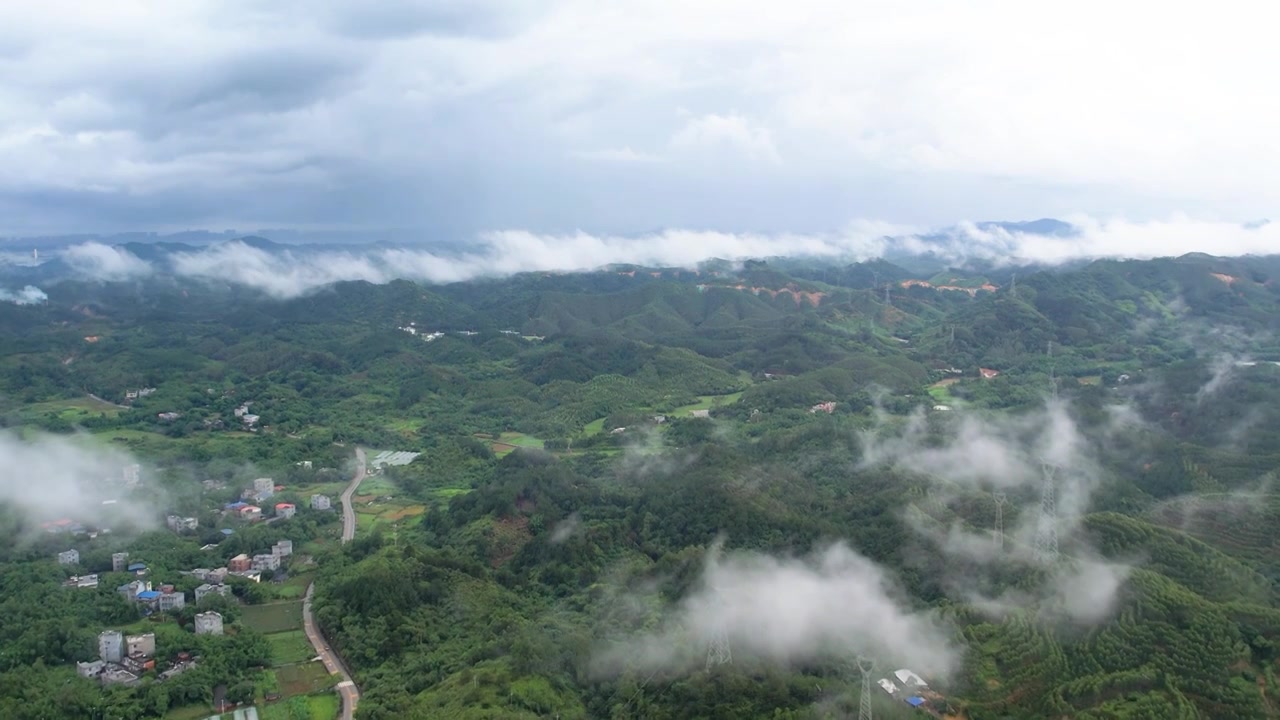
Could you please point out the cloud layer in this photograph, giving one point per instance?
(831, 606)
(627, 115)
(290, 273)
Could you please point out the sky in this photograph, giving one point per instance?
(560, 116)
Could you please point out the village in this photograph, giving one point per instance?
(128, 658)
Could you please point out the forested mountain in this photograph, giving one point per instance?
(618, 467)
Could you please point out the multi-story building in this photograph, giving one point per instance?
(91, 669)
(132, 475)
(239, 563)
(207, 590)
(69, 557)
(264, 563)
(110, 646)
(119, 561)
(171, 600)
(282, 548)
(284, 511)
(208, 623)
(180, 524)
(132, 590)
(320, 502)
(216, 576)
(264, 488)
(143, 645)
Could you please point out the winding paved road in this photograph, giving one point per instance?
(347, 689)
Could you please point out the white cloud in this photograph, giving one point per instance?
(278, 275)
(831, 606)
(29, 295)
(715, 132)
(104, 262)
(504, 253)
(620, 155)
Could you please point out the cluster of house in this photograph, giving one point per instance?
(131, 395)
(166, 599)
(181, 524)
(246, 417)
(262, 562)
(123, 658)
(910, 688)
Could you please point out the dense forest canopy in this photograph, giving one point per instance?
(650, 493)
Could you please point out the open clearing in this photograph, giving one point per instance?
(71, 410)
(304, 678)
(706, 402)
(379, 503)
(289, 647)
(506, 442)
(274, 617)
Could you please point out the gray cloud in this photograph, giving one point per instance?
(29, 295)
(765, 117)
(830, 606)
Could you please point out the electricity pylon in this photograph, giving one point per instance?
(718, 652)
(1000, 499)
(865, 665)
(1046, 540)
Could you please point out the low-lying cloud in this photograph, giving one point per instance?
(29, 295)
(833, 605)
(1012, 453)
(54, 477)
(498, 254)
(105, 262)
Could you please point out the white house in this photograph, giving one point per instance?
(110, 646)
(208, 623)
(69, 557)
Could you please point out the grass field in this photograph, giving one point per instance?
(293, 588)
(380, 503)
(506, 442)
(706, 402)
(290, 646)
(304, 678)
(274, 617)
(941, 391)
(595, 427)
(70, 410)
(322, 706)
(191, 712)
